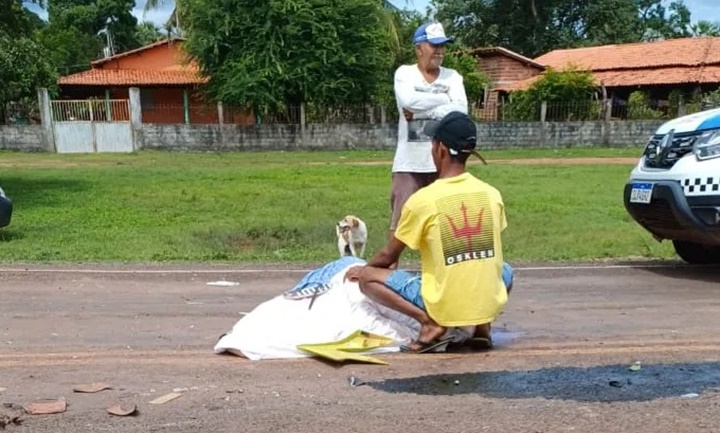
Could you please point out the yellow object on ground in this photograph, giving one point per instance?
(347, 349)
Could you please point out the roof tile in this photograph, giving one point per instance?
(125, 77)
(639, 77)
(674, 61)
(672, 52)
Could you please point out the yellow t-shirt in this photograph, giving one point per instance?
(456, 224)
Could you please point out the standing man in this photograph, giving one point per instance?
(423, 91)
(456, 223)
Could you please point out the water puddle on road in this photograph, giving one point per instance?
(503, 337)
(611, 383)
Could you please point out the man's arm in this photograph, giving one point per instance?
(458, 101)
(388, 255)
(383, 259)
(411, 100)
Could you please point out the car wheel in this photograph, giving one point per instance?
(697, 254)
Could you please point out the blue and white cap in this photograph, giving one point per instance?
(433, 33)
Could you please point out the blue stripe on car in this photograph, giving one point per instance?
(710, 123)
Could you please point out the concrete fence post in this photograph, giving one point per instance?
(543, 123)
(681, 106)
(607, 115)
(302, 124)
(46, 119)
(221, 113)
(135, 117)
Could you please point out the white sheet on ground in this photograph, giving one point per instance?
(276, 327)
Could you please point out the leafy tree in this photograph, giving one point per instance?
(147, 33)
(177, 16)
(276, 52)
(671, 22)
(705, 28)
(24, 66)
(612, 22)
(15, 19)
(78, 30)
(551, 24)
(70, 49)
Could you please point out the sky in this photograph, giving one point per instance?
(700, 9)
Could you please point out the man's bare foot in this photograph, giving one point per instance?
(430, 332)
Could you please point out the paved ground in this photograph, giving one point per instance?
(523, 161)
(566, 341)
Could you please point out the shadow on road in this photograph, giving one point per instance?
(710, 274)
(612, 383)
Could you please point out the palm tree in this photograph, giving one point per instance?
(173, 20)
(705, 28)
(389, 17)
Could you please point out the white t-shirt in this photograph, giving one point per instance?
(427, 101)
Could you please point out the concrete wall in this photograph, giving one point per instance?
(496, 135)
(565, 134)
(267, 137)
(335, 137)
(28, 138)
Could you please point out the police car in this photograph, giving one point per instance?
(674, 191)
(6, 209)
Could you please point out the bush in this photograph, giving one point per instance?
(572, 93)
(639, 107)
(705, 101)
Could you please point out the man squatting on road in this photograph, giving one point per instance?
(456, 222)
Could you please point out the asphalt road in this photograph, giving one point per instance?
(565, 344)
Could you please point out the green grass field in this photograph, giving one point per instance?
(282, 206)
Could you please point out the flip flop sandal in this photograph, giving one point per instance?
(479, 343)
(471, 344)
(426, 347)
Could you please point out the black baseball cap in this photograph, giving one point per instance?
(456, 131)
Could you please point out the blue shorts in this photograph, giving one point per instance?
(407, 284)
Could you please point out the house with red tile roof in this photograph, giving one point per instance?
(691, 64)
(167, 78)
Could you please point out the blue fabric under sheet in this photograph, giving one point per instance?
(322, 276)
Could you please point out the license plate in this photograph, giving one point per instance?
(641, 192)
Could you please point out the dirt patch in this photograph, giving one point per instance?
(58, 164)
(518, 161)
(567, 161)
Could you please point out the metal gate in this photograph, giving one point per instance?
(92, 125)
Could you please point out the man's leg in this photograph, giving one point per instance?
(400, 291)
(484, 331)
(403, 186)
